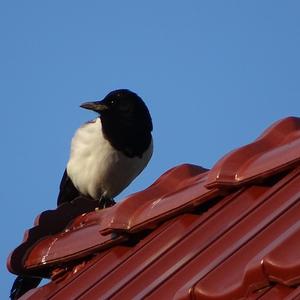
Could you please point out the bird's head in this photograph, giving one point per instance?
(122, 106)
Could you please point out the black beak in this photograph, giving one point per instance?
(96, 106)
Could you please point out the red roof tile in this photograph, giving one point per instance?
(277, 149)
(229, 233)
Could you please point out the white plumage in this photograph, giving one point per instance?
(96, 168)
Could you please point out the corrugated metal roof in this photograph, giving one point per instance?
(229, 233)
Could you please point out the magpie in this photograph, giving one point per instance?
(106, 154)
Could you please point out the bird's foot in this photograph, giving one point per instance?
(105, 202)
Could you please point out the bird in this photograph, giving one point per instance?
(110, 151)
(107, 154)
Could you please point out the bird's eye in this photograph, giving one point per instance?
(112, 102)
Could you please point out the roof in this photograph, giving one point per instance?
(231, 232)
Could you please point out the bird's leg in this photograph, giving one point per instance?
(106, 201)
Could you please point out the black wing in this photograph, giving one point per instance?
(67, 190)
(22, 284)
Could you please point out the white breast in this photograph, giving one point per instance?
(96, 168)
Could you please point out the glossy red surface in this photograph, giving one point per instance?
(277, 149)
(229, 233)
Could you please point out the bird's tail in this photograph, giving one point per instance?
(23, 284)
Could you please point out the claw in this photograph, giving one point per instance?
(105, 202)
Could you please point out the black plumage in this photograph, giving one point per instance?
(22, 284)
(106, 155)
(126, 124)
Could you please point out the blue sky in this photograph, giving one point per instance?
(214, 75)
